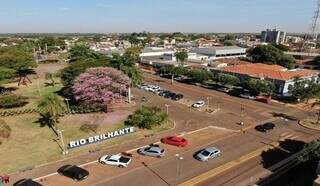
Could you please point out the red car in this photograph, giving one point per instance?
(175, 140)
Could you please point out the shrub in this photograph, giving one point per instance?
(89, 127)
(12, 101)
(5, 129)
(147, 117)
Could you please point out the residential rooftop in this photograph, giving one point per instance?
(276, 72)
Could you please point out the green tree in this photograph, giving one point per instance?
(258, 86)
(51, 107)
(199, 75)
(270, 55)
(227, 79)
(304, 89)
(82, 52)
(15, 61)
(310, 152)
(229, 37)
(281, 47)
(181, 56)
(147, 117)
(228, 43)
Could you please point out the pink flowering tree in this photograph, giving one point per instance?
(100, 85)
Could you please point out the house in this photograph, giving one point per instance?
(280, 76)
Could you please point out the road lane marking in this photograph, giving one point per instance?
(132, 150)
(226, 166)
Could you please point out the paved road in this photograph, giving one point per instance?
(164, 171)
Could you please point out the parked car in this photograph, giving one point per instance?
(177, 97)
(116, 160)
(223, 89)
(263, 99)
(26, 182)
(265, 127)
(247, 96)
(198, 104)
(208, 153)
(74, 172)
(152, 150)
(144, 99)
(175, 140)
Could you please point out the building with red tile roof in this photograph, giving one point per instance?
(280, 76)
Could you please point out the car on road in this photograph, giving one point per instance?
(26, 182)
(247, 96)
(198, 104)
(177, 97)
(265, 127)
(208, 153)
(74, 172)
(175, 140)
(152, 150)
(115, 160)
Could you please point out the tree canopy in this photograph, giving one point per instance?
(228, 79)
(304, 89)
(271, 55)
(82, 52)
(147, 117)
(100, 85)
(258, 86)
(181, 56)
(16, 58)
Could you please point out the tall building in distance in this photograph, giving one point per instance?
(273, 36)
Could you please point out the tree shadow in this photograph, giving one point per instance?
(47, 121)
(4, 90)
(283, 151)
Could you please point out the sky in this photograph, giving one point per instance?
(105, 16)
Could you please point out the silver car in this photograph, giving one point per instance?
(154, 151)
(208, 153)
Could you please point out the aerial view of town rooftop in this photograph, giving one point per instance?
(160, 93)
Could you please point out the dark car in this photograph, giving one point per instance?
(265, 127)
(164, 93)
(74, 172)
(26, 182)
(177, 97)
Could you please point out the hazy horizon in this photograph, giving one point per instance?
(124, 16)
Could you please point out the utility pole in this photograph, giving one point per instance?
(64, 151)
(179, 159)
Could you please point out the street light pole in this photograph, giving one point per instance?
(68, 106)
(167, 108)
(64, 151)
(129, 94)
(208, 100)
(179, 159)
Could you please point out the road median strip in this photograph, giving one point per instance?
(229, 165)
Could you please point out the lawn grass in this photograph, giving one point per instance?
(30, 145)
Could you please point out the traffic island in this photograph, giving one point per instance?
(310, 123)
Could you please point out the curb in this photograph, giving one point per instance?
(308, 127)
(218, 170)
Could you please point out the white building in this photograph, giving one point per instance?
(155, 51)
(214, 53)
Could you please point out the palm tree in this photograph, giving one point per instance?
(50, 107)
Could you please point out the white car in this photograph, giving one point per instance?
(115, 160)
(247, 96)
(198, 104)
